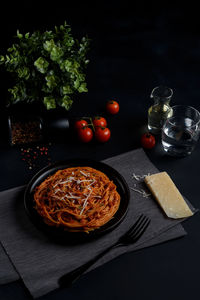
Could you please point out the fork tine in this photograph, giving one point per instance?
(140, 225)
(141, 229)
(135, 225)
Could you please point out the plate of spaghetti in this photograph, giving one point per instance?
(77, 198)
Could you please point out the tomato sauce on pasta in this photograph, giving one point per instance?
(77, 199)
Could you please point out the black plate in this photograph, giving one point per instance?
(59, 233)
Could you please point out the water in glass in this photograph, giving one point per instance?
(180, 132)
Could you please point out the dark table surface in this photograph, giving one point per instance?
(132, 51)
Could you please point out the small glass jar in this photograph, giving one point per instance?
(24, 129)
(160, 110)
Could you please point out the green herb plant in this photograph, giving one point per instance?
(47, 66)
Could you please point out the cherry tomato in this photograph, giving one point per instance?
(99, 121)
(148, 141)
(112, 107)
(102, 134)
(80, 124)
(85, 134)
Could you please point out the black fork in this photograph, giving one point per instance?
(130, 237)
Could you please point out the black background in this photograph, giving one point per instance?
(134, 47)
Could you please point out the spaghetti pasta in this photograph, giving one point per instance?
(77, 199)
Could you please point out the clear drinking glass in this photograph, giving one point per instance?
(180, 132)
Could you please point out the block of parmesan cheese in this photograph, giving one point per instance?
(168, 196)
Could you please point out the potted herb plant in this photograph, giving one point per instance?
(47, 68)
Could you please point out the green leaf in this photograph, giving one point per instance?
(56, 53)
(18, 93)
(48, 45)
(49, 102)
(14, 91)
(61, 65)
(41, 65)
(7, 58)
(19, 35)
(71, 66)
(2, 59)
(76, 84)
(69, 42)
(51, 81)
(65, 102)
(66, 89)
(82, 88)
(81, 77)
(68, 64)
(23, 72)
(56, 29)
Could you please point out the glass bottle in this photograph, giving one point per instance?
(24, 129)
(160, 110)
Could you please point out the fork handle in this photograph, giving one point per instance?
(72, 276)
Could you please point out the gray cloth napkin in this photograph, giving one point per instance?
(28, 254)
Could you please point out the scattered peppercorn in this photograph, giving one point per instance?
(35, 157)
